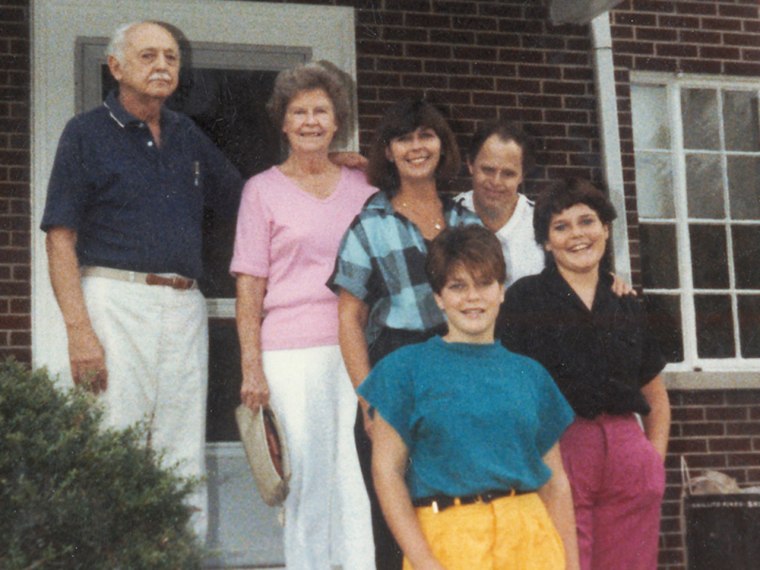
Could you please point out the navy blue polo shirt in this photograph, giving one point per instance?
(134, 205)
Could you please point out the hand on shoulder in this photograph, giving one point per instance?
(349, 159)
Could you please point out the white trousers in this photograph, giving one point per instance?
(156, 344)
(327, 514)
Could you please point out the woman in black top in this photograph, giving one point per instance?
(598, 349)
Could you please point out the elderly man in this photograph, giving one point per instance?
(124, 219)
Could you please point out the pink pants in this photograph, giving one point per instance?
(618, 481)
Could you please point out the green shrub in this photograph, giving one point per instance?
(73, 495)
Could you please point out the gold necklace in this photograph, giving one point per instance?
(436, 221)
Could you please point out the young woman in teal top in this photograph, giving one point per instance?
(465, 455)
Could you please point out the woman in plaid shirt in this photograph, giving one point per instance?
(385, 300)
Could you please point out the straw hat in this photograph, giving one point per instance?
(264, 443)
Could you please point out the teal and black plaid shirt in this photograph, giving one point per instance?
(381, 261)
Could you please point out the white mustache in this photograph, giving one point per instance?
(160, 76)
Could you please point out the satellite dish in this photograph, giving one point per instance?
(578, 11)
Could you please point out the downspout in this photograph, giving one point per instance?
(612, 164)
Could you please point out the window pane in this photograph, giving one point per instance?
(715, 337)
(704, 186)
(699, 110)
(749, 325)
(740, 120)
(744, 187)
(658, 252)
(650, 108)
(664, 319)
(654, 177)
(746, 256)
(709, 261)
(224, 379)
(229, 106)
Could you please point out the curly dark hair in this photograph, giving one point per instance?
(566, 193)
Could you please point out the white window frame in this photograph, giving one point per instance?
(714, 369)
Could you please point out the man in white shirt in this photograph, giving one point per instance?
(498, 157)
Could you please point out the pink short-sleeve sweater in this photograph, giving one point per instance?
(291, 237)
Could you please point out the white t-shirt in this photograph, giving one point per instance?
(518, 241)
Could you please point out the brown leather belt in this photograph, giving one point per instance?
(442, 502)
(173, 281)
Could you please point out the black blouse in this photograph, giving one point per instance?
(600, 358)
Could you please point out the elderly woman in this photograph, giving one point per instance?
(291, 221)
(385, 300)
(465, 453)
(597, 348)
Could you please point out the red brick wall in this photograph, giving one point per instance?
(15, 275)
(479, 60)
(691, 36)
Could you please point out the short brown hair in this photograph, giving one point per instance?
(402, 118)
(306, 77)
(506, 132)
(473, 248)
(566, 193)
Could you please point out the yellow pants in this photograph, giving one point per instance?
(511, 533)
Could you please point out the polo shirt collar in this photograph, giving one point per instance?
(123, 117)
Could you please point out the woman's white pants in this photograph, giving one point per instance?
(327, 514)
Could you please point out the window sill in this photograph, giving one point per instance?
(712, 380)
